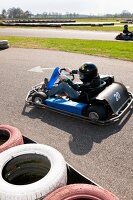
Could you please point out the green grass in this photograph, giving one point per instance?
(99, 19)
(89, 28)
(113, 49)
(98, 28)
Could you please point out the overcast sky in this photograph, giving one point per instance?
(78, 6)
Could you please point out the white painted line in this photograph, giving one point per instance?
(39, 69)
(48, 68)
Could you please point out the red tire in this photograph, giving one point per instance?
(79, 191)
(9, 137)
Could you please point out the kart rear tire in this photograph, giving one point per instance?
(38, 98)
(81, 191)
(97, 112)
(31, 171)
(9, 137)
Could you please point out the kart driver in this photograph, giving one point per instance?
(126, 31)
(88, 74)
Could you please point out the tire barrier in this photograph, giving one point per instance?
(38, 21)
(80, 191)
(53, 24)
(36, 171)
(9, 137)
(127, 22)
(4, 44)
(87, 24)
(32, 24)
(31, 171)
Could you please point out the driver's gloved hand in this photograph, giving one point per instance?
(74, 71)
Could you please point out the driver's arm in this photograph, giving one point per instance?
(73, 85)
(67, 69)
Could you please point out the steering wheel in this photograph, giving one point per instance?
(70, 75)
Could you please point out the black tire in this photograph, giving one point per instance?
(4, 44)
(97, 112)
(38, 98)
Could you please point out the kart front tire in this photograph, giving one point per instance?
(9, 137)
(31, 171)
(81, 191)
(97, 112)
(38, 98)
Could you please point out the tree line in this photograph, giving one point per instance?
(15, 13)
(20, 14)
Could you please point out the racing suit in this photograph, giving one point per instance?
(127, 32)
(74, 90)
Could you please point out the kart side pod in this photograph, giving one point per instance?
(116, 95)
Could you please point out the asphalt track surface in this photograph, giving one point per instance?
(58, 33)
(102, 153)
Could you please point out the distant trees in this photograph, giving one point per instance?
(56, 15)
(126, 13)
(15, 13)
(3, 14)
(20, 14)
(123, 14)
(27, 14)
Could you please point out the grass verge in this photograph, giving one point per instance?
(113, 49)
(97, 28)
(87, 28)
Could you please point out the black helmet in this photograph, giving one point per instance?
(87, 72)
(125, 26)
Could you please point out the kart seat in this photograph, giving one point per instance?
(85, 96)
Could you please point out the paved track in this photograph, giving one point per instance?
(104, 154)
(58, 33)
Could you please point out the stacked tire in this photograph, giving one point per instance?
(4, 44)
(81, 191)
(9, 137)
(31, 171)
(37, 171)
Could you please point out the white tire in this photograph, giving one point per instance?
(18, 164)
(3, 42)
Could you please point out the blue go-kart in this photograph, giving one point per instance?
(102, 105)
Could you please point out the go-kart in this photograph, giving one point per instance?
(123, 36)
(104, 104)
